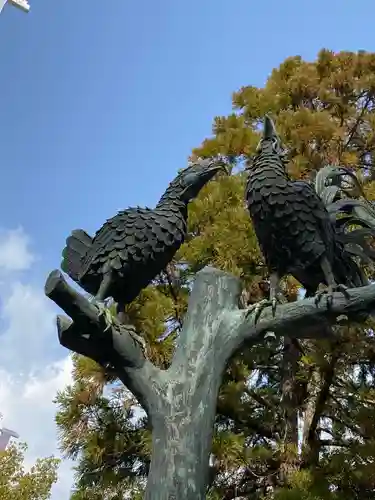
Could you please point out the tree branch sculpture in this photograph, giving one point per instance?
(181, 401)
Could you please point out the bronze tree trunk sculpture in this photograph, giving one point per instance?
(181, 401)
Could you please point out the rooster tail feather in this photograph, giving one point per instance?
(77, 245)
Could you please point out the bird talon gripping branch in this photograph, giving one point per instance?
(137, 338)
(105, 312)
(328, 293)
(258, 308)
(274, 305)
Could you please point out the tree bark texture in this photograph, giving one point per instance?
(181, 401)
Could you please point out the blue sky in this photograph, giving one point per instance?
(102, 102)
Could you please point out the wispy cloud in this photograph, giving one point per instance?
(32, 367)
(15, 254)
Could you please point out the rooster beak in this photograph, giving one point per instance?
(220, 165)
(225, 168)
(269, 130)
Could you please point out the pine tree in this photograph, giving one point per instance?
(278, 397)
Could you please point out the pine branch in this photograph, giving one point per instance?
(244, 420)
(354, 128)
(329, 442)
(171, 279)
(348, 423)
(327, 378)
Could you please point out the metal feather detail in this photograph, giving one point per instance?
(134, 246)
(299, 225)
(352, 214)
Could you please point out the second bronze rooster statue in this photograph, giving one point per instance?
(296, 234)
(134, 246)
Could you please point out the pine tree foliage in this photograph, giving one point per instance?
(294, 420)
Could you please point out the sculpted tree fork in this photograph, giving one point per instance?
(293, 227)
(135, 245)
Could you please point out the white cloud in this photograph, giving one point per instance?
(28, 409)
(28, 338)
(14, 250)
(32, 365)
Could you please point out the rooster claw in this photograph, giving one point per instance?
(137, 338)
(104, 311)
(258, 308)
(273, 305)
(328, 292)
